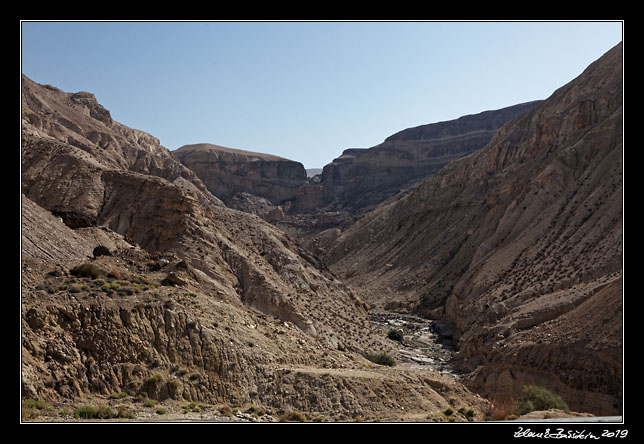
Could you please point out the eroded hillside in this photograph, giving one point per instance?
(519, 246)
(136, 280)
(138, 283)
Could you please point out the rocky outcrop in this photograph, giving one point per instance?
(227, 172)
(50, 115)
(348, 187)
(513, 238)
(249, 203)
(560, 347)
(158, 204)
(69, 140)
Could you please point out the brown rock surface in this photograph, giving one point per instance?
(227, 172)
(523, 234)
(362, 178)
(57, 243)
(248, 317)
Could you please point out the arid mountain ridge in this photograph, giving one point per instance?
(360, 179)
(521, 254)
(185, 300)
(518, 246)
(351, 185)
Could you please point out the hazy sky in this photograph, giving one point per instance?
(306, 90)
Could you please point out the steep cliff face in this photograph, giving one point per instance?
(227, 172)
(510, 239)
(486, 121)
(69, 140)
(362, 178)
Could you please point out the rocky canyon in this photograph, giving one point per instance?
(518, 246)
(223, 284)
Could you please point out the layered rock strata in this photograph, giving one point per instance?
(227, 172)
(516, 245)
(136, 279)
(360, 179)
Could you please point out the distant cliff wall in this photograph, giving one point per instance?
(227, 172)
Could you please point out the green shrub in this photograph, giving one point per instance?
(466, 412)
(31, 408)
(85, 412)
(140, 279)
(538, 398)
(34, 404)
(87, 270)
(381, 359)
(395, 335)
(120, 395)
(149, 403)
(256, 411)
(108, 286)
(89, 412)
(193, 407)
(152, 380)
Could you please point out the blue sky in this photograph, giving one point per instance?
(306, 90)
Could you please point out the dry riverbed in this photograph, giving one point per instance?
(425, 343)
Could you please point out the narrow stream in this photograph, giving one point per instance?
(426, 343)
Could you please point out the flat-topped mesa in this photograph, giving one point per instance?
(227, 172)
